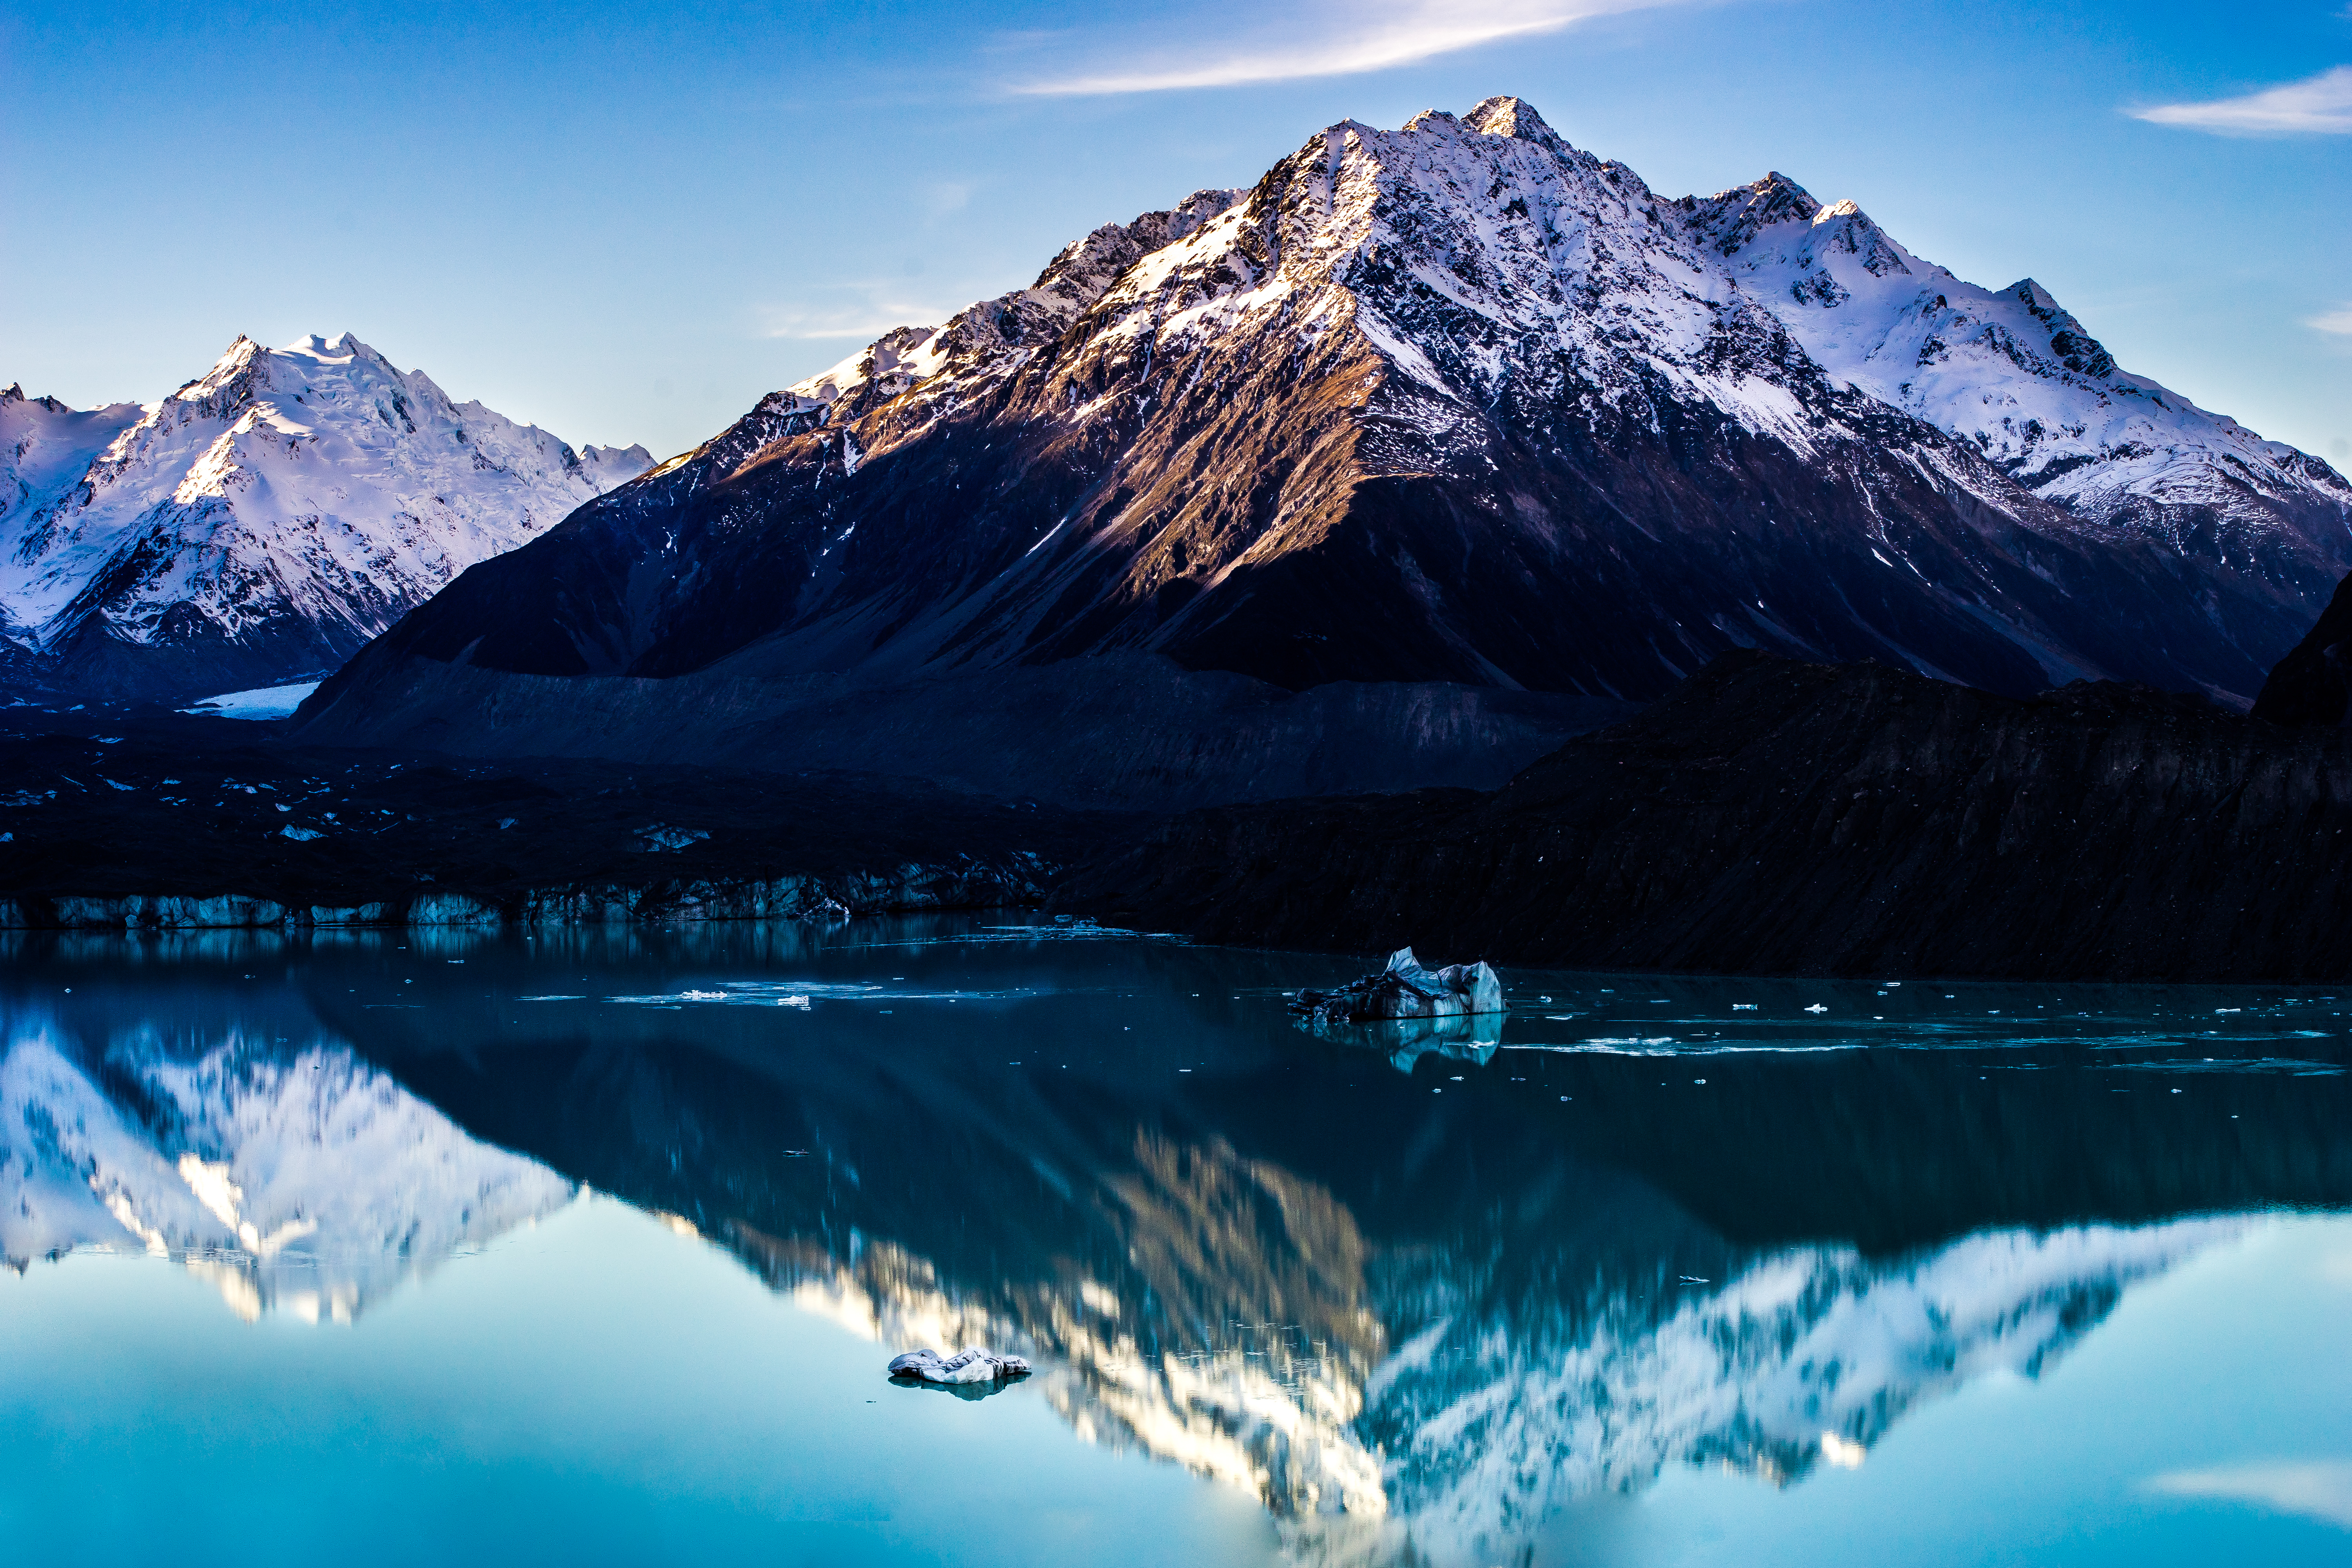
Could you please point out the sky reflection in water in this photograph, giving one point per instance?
(1659, 1270)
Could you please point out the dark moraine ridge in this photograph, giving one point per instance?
(165, 822)
(1779, 816)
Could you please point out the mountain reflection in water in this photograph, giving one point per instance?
(1418, 1295)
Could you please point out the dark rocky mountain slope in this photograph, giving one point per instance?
(1774, 816)
(2309, 685)
(1458, 404)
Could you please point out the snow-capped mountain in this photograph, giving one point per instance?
(2016, 375)
(264, 520)
(306, 1180)
(1456, 402)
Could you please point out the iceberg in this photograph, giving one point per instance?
(1406, 989)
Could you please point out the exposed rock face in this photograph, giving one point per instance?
(1780, 817)
(2309, 685)
(1454, 403)
(264, 520)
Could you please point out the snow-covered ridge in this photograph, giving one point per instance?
(1482, 258)
(301, 1182)
(46, 447)
(993, 333)
(286, 506)
(2010, 371)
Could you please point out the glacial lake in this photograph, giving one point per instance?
(589, 1246)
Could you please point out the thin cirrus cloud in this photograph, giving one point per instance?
(1333, 41)
(2321, 1490)
(873, 310)
(2315, 106)
(2338, 321)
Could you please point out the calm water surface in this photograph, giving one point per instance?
(591, 1249)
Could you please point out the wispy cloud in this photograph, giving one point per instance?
(2321, 1490)
(1334, 40)
(869, 310)
(2315, 106)
(2339, 320)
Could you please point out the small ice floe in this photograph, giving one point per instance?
(964, 1366)
(299, 835)
(1407, 990)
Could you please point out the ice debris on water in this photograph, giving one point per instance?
(964, 1366)
(1405, 989)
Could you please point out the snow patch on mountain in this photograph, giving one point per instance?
(310, 494)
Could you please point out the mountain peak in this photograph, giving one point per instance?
(13, 393)
(2034, 297)
(1515, 117)
(268, 517)
(342, 346)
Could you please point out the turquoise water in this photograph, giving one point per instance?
(591, 1249)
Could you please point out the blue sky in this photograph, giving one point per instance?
(626, 223)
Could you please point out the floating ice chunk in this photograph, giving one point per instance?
(1406, 989)
(964, 1366)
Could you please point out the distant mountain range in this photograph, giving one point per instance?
(260, 523)
(1456, 403)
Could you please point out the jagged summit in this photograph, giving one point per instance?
(1454, 402)
(264, 518)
